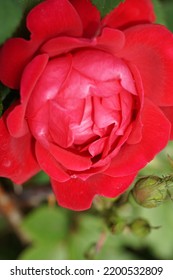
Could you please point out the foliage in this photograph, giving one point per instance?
(106, 6)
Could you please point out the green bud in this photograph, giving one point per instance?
(118, 227)
(169, 183)
(115, 223)
(140, 227)
(150, 191)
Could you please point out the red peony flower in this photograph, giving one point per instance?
(93, 93)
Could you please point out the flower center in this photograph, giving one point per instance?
(87, 103)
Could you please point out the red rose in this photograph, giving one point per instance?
(91, 94)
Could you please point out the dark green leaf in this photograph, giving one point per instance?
(106, 6)
(28, 4)
(4, 91)
(10, 16)
(168, 8)
(160, 14)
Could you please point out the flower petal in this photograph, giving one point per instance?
(168, 111)
(53, 21)
(110, 40)
(63, 44)
(130, 12)
(17, 157)
(149, 47)
(77, 194)
(155, 135)
(55, 18)
(14, 56)
(70, 160)
(16, 122)
(49, 164)
(89, 15)
(59, 126)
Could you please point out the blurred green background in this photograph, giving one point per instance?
(33, 226)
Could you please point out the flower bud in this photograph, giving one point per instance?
(119, 227)
(140, 227)
(150, 191)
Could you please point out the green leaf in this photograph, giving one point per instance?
(10, 16)
(46, 252)
(4, 91)
(46, 225)
(168, 8)
(159, 11)
(29, 4)
(88, 233)
(106, 6)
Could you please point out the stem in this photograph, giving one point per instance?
(12, 214)
(100, 242)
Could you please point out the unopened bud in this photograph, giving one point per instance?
(140, 227)
(118, 227)
(150, 191)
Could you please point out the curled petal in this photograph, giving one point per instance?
(17, 157)
(70, 160)
(49, 164)
(16, 122)
(49, 83)
(14, 56)
(136, 133)
(89, 15)
(55, 18)
(111, 40)
(77, 194)
(59, 130)
(130, 12)
(155, 135)
(86, 62)
(53, 21)
(149, 47)
(168, 111)
(63, 44)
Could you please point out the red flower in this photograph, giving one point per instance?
(92, 96)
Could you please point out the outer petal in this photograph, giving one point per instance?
(89, 15)
(52, 18)
(110, 40)
(16, 122)
(77, 194)
(150, 48)
(55, 18)
(130, 12)
(155, 135)
(17, 158)
(168, 111)
(14, 56)
(49, 164)
(69, 159)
